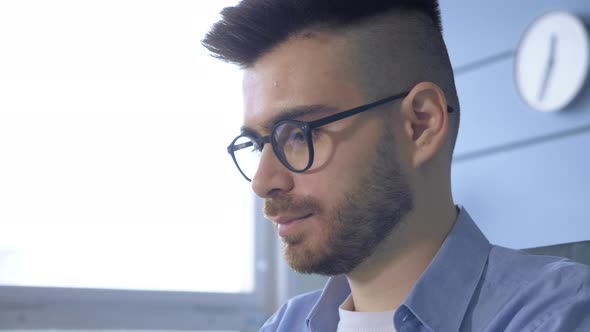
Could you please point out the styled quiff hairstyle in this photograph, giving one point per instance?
(253, 27)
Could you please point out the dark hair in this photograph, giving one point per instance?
(254, 27)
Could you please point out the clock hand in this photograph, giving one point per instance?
(549, 68)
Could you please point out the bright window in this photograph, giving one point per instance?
(114, 172)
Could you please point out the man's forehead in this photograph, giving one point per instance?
(301, 72)
(275, 94)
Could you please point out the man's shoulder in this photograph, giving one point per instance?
(514, 267)
(293, 314)
(523, 292)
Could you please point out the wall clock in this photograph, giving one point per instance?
(552, 61)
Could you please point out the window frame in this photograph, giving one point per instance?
(23, 307)
(28, 307)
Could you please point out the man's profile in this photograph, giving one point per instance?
(350, 120)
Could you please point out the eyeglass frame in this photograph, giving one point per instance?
(306, 128)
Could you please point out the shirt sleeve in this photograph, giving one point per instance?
(574, 317)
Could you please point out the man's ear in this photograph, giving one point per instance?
(425, 121)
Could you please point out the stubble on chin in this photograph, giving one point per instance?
(303, 251)
(300, 255)
(299, 250)
(367, 215)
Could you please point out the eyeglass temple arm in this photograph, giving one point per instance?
(356, 110)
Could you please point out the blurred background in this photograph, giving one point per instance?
(121, 210)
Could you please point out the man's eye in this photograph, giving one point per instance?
(297, 136)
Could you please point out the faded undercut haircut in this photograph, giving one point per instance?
(396, 43)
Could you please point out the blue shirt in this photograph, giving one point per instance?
(470, 285)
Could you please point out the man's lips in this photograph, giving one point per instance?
(283, 219)
(289, 225)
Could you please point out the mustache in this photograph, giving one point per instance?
(284, 204)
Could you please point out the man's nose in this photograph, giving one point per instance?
(271, 177)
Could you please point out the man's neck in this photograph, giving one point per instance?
(383, 281)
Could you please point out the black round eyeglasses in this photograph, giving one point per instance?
(291, 141)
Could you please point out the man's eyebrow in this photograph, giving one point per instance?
(295, 113)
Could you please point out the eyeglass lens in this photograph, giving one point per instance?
(292, 144)
(247, 155)
(291, 148)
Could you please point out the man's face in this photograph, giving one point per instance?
(332, 216)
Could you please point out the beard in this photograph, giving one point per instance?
(367, 214)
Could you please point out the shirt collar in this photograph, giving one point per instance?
(440, 297)
(324, 315)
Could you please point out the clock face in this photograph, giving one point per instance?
(552, 61)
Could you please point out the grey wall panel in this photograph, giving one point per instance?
(529, 197)
(493, 114)
(523, 175)
(475, 30)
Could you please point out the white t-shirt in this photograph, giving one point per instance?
(353, 321)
